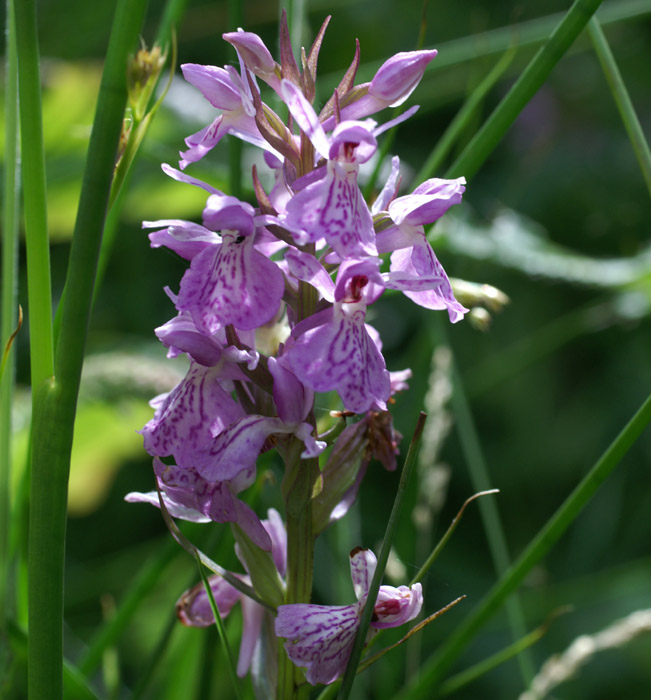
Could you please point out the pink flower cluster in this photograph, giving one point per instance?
(311, 256)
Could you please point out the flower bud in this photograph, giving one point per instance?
(254, 53)
(143, 70)
(398, 77)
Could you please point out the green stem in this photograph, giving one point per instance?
(34, 193)
(365, 621)
(219, 624)
(172, 15)
(142, 585)
(567, 513)
(446, 536)
(301, 477)
(622, 99)
(9, 307)
(296, 10)
(55, 401)
(535, 74)
(453, 684)
(463, 118)
(481, 481)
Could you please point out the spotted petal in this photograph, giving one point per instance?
(319, 637)
(334, 208)
(190, 416)
(231, 284)
(340, 354)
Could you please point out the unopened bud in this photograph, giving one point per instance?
(254, 53)
(473, 294)
(398, 77)
(142, 75)
(480, 319)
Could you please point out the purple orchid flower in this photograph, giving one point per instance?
(238, 447)
(334, 348)
(332, 207)
(255, 56)
(321, 637)
(415, 268)
(193, 607)
(229, 280)
(181, 335)
(393, 83)
(187, 419)
(188, 496)
(231, 94)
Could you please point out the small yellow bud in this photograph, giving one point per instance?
(142, 75)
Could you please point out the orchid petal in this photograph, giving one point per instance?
(185, 238)
(396, 606)
(193, 607)
(389, 190)
(362, 568)
(341, 355)
(305, 116)
(231, 284)
(189, 417)
(308, 269)
(176, 510)
(398, 77)
(319, 637)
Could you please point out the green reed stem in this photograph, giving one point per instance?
(622, 99)
(535, 74)
(481, 481)
(451, 685)
(34, 194)
(463, 118)
(55, 400)
(142, 585)
(172, 16)
(420, 574)
(8, 319)
(296, 11)
(219, 624)
(432, 672)
(389, 534)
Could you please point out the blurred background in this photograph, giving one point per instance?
(557, 218)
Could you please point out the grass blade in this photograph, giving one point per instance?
(55, 401)
(622, 99)
(569, 510)
(535, 74)
(360, 637)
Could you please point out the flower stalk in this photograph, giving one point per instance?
(55, 398)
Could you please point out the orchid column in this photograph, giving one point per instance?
(300, 268)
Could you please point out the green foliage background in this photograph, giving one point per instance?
(558, 218)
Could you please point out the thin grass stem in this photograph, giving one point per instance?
(9, 244)
(463, 117)
(34, 194)
(487, 138)
(446, 536)
(219, 624)
(467, 676)
(55, 400)
(622, 99)
(481, 480)
(432, 672)
(143, 584)
(172, 16)
(365, 621)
